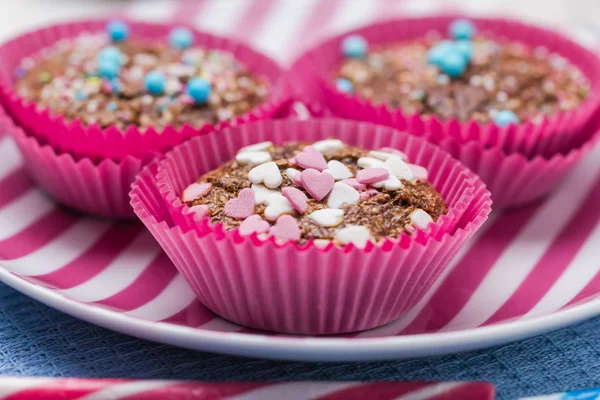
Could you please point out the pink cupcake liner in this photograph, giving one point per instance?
(304, 289)
(93, 141)
(311, 79)
(187, 162)
(99, 189)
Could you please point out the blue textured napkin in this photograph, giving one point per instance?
(37, 340)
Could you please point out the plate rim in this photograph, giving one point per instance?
(306, 348)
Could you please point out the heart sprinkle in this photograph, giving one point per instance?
(254, 223)
(297, 198)
(241, 207)
(359, 236)
(328, 217)
(310, 157)
(262, 146)
(328, 144)
(253, 157)
(391, 183)
(294, 176)
(338, 170)
(267, 173)
(420, 173)
(261, 193)
(198, 212)
(317, 184)
(399, 168)
(385, 153)
(372, 175)
(354, 183)
(342, 194)
(277, 205)
(286, 228)
(420, 219)
(195, 191)
(369, 162)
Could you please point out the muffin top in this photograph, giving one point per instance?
(112, 80)
(467, 77)
(327, 191)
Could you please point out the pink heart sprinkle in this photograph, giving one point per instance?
(420, 172)
(254, 223)
(397, 152)
(354, 183)
(286, 228)
(195, 191)
(297, 179)
(366, 195)
(372, 175)
(297, 198)
(198, 212)
(311, 158)
(317, 184)
(241, 207)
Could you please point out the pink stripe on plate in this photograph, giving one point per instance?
(554, 262)
(385, 391)
(34, 237)
(63, 389)
(95, 259)
(447, 302)
(209, 391)
(145, 288)
(194, 315)
(14, 185)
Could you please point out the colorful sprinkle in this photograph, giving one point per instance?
(355, 46)
(112, 106)
(45, 76)
(181, 38)
(505, 117)
(155, 82)
(344, 85)
(108, 69)
(118, 31)
(199, 90)
(110, 54)
(453, 64)
(462, 29)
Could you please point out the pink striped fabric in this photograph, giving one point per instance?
(527, 263)
(120, 389)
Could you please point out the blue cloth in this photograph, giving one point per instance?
(36, 340)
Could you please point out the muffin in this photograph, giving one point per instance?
(99, 99)
(467, 76)
(325, 191)
(283, 228)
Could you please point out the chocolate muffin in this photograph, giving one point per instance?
(326, 191)
(468, 76)
(110, 79)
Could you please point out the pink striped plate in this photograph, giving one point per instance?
(526, 272)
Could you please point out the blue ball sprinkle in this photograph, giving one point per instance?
(117, 30)
(181, 38)
(155, 82)
(465, 48)
(80, 95)
(462, 29)
(453, 64)
(198, 89)
(344, 85)
(112, 106)
(108, 69)
(110, 54)
(506, 117)
(436, 54)
(355, 46)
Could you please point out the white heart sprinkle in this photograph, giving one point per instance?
(328, 144)
(262, 146)
(277, 205)
(291, 173)
(261, 193)
(267, 173)
(420, 219)
(253, 157)
(370, 162)
(355, 234)
(327, 217)
(338, 170)
(342, 194)
(391, 183)
(384, 155)
(399, 168)
(321, 243)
